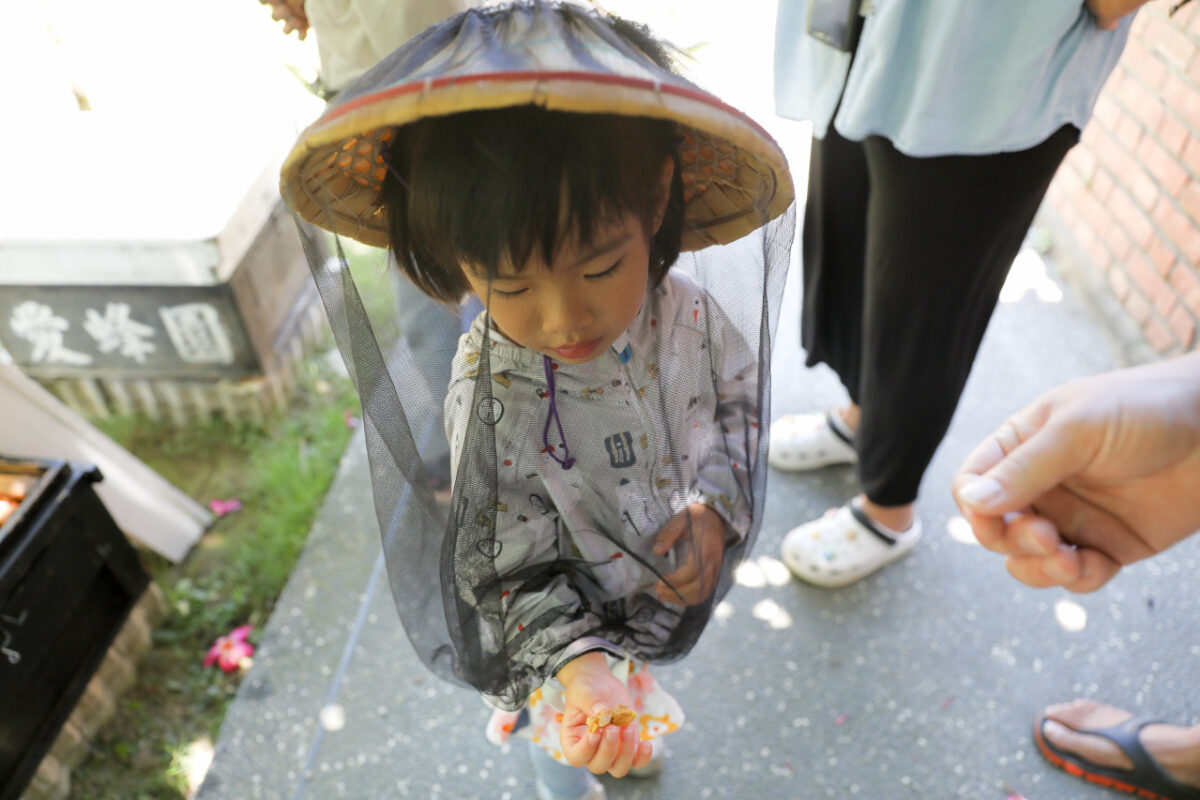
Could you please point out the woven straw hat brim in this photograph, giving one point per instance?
(734, 174)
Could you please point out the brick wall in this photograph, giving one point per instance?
(1130, 192)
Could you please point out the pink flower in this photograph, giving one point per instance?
(232, 651)
(223, 507)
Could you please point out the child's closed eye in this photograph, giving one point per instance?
(606, 273)
(510, 293)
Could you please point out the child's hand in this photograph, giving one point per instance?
(591, 688)
(696, 578)
(291, 13)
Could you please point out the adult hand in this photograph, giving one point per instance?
(695, 579)
(1094, 475)
(291, 13)
(1108, 13)
(591, 688)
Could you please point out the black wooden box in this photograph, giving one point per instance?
(68, 579)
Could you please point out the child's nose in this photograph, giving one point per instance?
(567, 312)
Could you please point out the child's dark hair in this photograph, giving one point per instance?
(485, 187)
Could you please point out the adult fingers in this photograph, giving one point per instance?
(1085, 524)
(1037, 457)
(1078, 570)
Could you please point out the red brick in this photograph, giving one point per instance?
(1183, 326)
(1083, 161)
(1095, 212)
(1189, 246)
(1106, 112)
(1183, 99)
(1147, 66)
(1069, 214)
(1146, 278)
(1140, 102)
(1174, 223)
(1161, 255)
(1172, 133)
(1183, 280)
(1159, 337)
(1140, 23)
(1102, 185)
(1192, 301)
(1174, 45)
(1111, 155)
(1118, 243)
(1132, 219)
(1085, 234)
(1118, 282)
(1185, 17)
(1137, 307)
(1128, 132)
(1162, 165)
(1191, 155)
(1189, 198)
(1098, 254)
(1070, 182)
(1144, 190)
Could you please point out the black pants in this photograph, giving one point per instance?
(904, 259)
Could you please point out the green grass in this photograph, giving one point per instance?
(232, 577)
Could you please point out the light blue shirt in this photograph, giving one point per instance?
(949, 77)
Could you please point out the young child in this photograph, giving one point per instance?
(604, 411)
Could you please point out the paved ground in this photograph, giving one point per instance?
(920, 682)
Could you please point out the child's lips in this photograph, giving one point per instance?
(576, 351)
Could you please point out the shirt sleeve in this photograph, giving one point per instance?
(723, 479)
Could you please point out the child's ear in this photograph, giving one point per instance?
(665, 173)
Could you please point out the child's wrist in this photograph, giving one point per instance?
(589, 663)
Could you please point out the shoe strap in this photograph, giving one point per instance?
(836, 425)
(869, 524)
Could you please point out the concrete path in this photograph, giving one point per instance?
(920, 682)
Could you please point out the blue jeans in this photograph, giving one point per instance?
(561, 779)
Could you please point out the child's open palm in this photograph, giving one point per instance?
(591, 688)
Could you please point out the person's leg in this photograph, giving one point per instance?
(557, 781)
(1070, 728)
(942, 234)
(833, 247)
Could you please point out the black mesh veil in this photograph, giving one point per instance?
(565, 470)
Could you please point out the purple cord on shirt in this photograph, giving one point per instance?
(566, 461)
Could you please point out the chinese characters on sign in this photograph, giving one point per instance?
(38, 324)
(194, 330)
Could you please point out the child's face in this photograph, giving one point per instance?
(574, 311)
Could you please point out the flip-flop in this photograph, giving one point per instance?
(1147, 779)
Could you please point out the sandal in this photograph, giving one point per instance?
(844, 546)
(1147, 779)
(810, 441)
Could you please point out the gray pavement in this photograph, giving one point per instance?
(921, 681)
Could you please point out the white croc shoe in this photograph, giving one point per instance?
(810, 441)
(844, 546)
